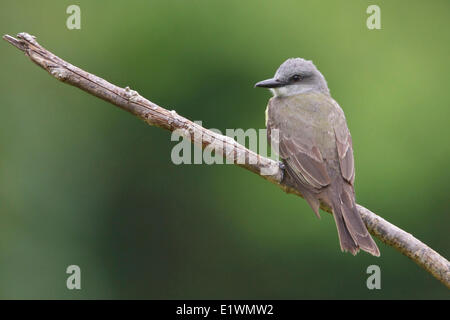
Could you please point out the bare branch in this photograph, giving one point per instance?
(155, 115)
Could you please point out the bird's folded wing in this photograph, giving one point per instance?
(306, 163)
(345, 152)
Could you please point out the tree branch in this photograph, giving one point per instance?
(155, 115)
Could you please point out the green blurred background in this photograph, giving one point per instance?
(83, 182)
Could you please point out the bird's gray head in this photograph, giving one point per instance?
(295, 76)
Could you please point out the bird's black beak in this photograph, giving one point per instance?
(269, 83)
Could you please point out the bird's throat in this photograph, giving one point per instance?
(292, 90)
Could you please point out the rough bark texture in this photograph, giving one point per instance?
(155, 115)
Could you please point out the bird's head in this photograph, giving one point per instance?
(295, 76)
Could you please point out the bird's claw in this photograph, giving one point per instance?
(282, 169)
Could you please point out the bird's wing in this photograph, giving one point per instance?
(344, 148)
(306, 164)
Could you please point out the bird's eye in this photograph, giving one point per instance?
(295, 77)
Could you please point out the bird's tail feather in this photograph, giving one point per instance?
(352, 232)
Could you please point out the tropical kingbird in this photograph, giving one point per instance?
(316, 147)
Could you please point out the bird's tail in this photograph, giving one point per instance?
(352, 232)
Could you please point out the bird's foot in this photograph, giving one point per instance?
(282, 169)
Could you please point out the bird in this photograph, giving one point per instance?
(315, 147)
